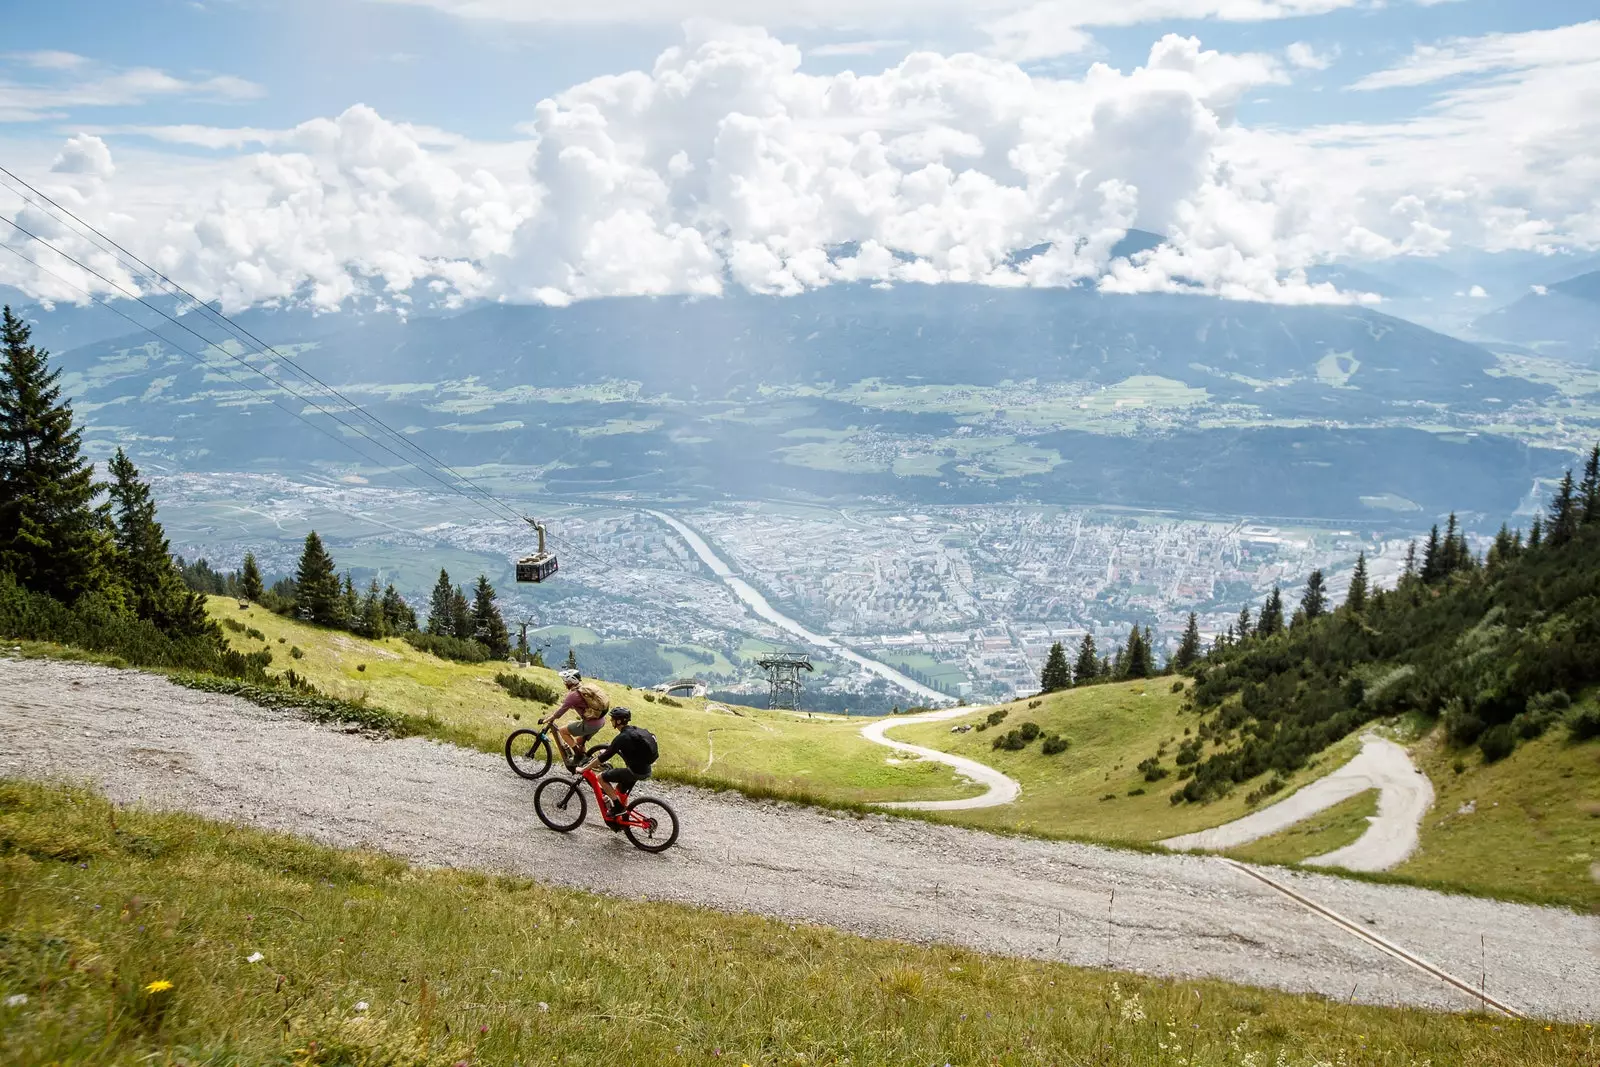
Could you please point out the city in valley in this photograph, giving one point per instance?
(965, 600)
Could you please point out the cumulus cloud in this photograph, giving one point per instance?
(726, 165)
(52, 93)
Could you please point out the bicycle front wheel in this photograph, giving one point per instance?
(560, 803)
(659, 827)
(528, 752)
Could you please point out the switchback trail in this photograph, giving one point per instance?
(1002, 789)
(139, 738)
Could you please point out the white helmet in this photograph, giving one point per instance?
(571, 677)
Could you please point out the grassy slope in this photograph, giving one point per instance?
(1327, 830)
(1535, 827)
(1112, 727)
(366, 961)
(760, 750)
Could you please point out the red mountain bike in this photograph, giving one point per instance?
(561, 804)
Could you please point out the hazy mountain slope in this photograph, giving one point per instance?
(1563, 321)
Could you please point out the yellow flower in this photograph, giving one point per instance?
(160, 985)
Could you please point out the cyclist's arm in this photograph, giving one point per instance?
(597, 758)
(573, 701)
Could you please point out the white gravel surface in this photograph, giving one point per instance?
(1002, 789)
(140, 739)
(1404, 797)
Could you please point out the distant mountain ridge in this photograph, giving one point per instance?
(1562, 321)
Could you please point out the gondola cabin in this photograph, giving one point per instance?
(540, 565)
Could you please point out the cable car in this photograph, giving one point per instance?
(540, 565)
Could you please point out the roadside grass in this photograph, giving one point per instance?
(1094, 790)
(761, 752)
(1533, 828)
(1327, 830)
(134, 937)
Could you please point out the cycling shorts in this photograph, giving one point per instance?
(585, 727)
(622, 778)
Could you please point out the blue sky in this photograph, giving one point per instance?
(264, 148)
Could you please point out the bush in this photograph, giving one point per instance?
(251, 631)
(296, 652)
(1177, 687)
(1272, 785)
(233, 625)
(304, 698)
(462, 651)
(668, 701)
(1136, 791)
(1053, 744)
(1461, 727)
(527, 689)
(1028, 731)
(997, 717)
(649, 698)
(1153, 771)
(1583, 724)
(1011, 741)
(1496, 743)
(1033, 704)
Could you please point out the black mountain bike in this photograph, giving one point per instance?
(531, 752)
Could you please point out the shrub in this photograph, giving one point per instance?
(361, 666)
(1053, 744)
(1153, 771)
(1011, 741)
(1136, 791)
(1272, 785)
(1583, 724)
(649, 698)
(283, 640)
(462, 651)
(1496, 743)
(1028, 731)
(1033, 704)
(295, 651)
(668, 701)
(251, 631)
(1461, 727)
(997, 717)
(527, 689)
(1177, 687)
(233, 626)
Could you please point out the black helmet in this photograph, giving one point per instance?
(622, 714)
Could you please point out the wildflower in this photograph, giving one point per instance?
(254, 957)
(16, 1000)
(160, 985)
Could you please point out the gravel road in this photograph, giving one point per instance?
(1404, 796)
(1002, 788)
(139, 738)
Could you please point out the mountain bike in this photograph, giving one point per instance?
(561, 804)
(530, 753)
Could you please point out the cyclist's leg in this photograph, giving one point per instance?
(580, 732)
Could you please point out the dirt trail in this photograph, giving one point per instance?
(138, 738)
(1002, 789)
(1405, 795)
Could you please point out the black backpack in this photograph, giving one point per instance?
(650, 739)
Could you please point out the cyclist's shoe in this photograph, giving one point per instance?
(613, 814)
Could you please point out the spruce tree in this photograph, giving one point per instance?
(1355, 601)
(441, 618)
(1314, 602)
(460, 615)
(250, 578)
(1189, 647)
(1243, 628)
(156, 590)
(53, 537)
(1410, 571)
(1105, 667)
(1433, 557)
(1057, 675)
(1270, 621)
(1564, 512)
(1535, 532)
(1589, 489)
(1135, 660)
(372, 622)
(1087, 669)
(317, 596)
(398, 618)
(488, 627)
(349, 604)
(572, 660)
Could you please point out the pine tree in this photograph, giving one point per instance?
(1504, 549)
(398, 618)
(1134, 659)
(1243, 627)
(1087, 669)
(1188, 653)
(317, 596)
(1535, 533)
(53, 537)
(1270, 621)
(488, 627)
(572, 660)
(441, 619)
(156, 589)
(372, 621)
(460, 614)
(250, 578)
(349, 604)
(1355, 601)
(1410, 571)
(1314, 602)
(1433, 557)
(1589, 488)
(1105, 667)
(1056, 675)
(1564, 513)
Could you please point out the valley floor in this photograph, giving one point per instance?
(138, 738)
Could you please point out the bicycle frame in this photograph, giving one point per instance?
(627, 818)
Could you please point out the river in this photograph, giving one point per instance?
(762, 607)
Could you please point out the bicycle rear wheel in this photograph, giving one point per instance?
(661, 825)
(560, 803)
(528, 752)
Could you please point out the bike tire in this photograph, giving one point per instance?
(530, 761)
(556, 800)
(663, 832)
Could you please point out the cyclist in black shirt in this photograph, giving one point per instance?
(636, 746)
